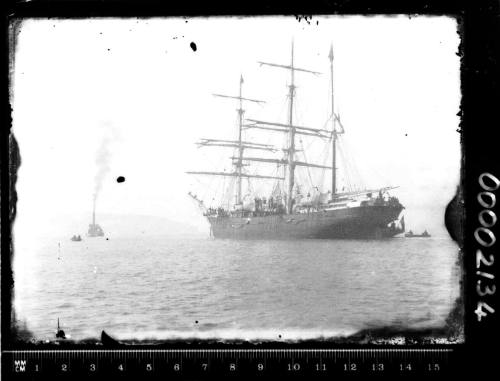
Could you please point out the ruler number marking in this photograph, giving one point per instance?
(320, 367)
(293, 367)
(433, 367)
(404, 367)
(351, 367)
(378, 367)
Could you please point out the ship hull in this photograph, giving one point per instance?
(363, 222)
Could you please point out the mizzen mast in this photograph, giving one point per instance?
(334, 132)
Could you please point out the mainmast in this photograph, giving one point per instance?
(334, 134)
(291, 140)
(292, 130)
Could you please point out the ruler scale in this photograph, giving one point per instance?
(198, 363)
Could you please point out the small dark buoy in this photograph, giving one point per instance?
(120, 179)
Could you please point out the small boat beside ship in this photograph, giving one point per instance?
(410, 234)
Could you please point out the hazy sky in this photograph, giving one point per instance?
(139, 85)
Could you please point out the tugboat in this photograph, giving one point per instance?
(76, 238)
(410, 234)
(95, 230)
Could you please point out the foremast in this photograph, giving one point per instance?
(239, 144)
(239, 163)
(241, 147)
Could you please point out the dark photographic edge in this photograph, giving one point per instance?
(20, 336)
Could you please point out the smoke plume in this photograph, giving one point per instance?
(102, 160)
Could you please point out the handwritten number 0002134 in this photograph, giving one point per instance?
(486, 238)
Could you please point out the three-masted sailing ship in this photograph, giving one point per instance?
(287, 213)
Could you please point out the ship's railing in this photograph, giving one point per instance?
(267, 209)
(222, 213)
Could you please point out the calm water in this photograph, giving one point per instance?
(164, 287)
